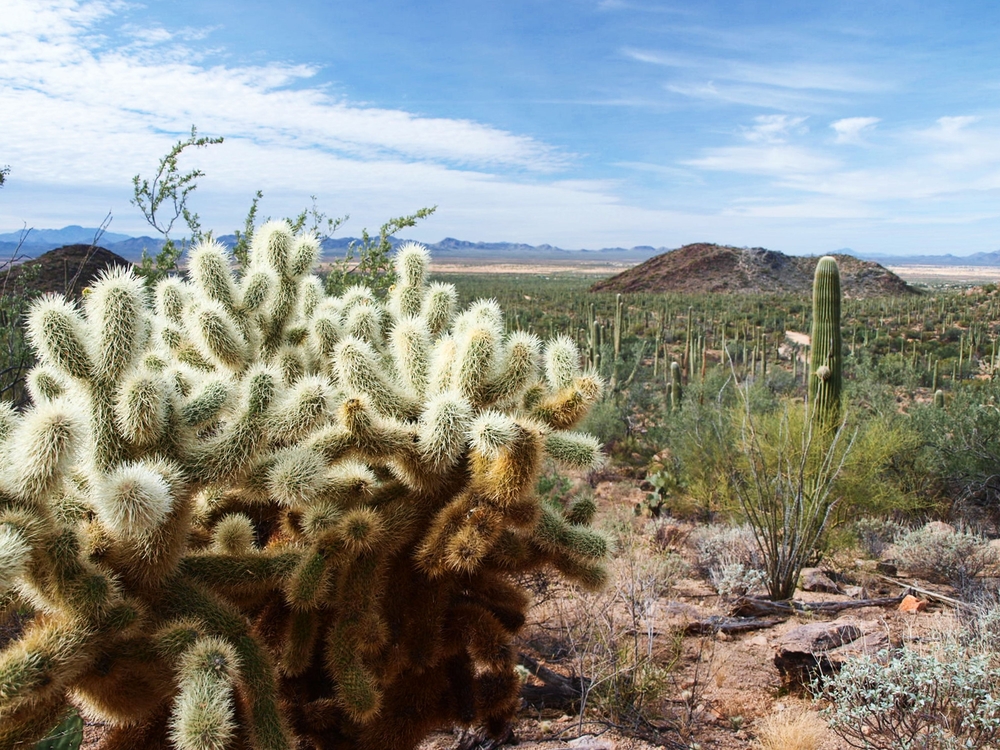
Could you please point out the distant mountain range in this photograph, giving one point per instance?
(39, 241)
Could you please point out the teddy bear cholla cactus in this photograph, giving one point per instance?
(257, 516)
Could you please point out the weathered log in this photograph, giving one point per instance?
(730, 625)
(751, 607)
(929, 594)
(556, 690)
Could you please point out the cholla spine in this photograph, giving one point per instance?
(269, 462)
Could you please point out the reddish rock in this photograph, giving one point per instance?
(912, 605)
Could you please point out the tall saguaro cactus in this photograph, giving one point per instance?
(254, 516)
(825, 371)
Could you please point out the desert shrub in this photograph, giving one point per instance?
(700, 441)
(875, 534)
(907, 700)
(963, 451)
(944, 555)
(16, 357)
(729, 557)
(609, 637)
(886, 472)
(608, 421)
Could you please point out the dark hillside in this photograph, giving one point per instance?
(65, 270)
(702, 268)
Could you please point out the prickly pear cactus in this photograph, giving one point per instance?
(68, 735)
(825, 380)
(249, 515)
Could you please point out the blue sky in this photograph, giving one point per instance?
(801, 127)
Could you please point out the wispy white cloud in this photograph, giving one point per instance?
(55, 69)
(773, 128)
(804, 76)
(788, 85)
(761, 97)
(852, 129)
(777, 160)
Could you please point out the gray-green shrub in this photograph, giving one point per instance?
(907, 700)
(944, 555)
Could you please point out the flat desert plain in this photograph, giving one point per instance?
(947, 274)
(913, 274)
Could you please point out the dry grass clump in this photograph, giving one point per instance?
(790, 730)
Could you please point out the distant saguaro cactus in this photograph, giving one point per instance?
(675, 386)
(255, 516)
(825, 371)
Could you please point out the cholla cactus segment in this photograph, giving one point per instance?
(209, 263)
(574, 449)
(170, 299)
(410, 342)
(14, 553)
(412, 263)
(233, 535)
(44, 384)
(258, 516)
(133, 501)
(204, 712)
(41, 448)
(217, 336)
(141, 408)
(444, 428)
(271, 246)
(492, 432)
(562, 362)
(305, 253)
(116, 312)
(58, 334)
(438, 307)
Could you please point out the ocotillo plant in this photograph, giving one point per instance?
(825, 372)
(255, 516)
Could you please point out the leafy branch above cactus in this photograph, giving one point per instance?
(248, 514)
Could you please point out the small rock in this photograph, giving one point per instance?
(857, 592)
(758, 640)
(814, 579)
(822, 647)
(887, 568)
(590, 742)
(817, 637)
(912, 605)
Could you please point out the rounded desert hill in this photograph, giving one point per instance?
(65, 270)
(703, 268)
